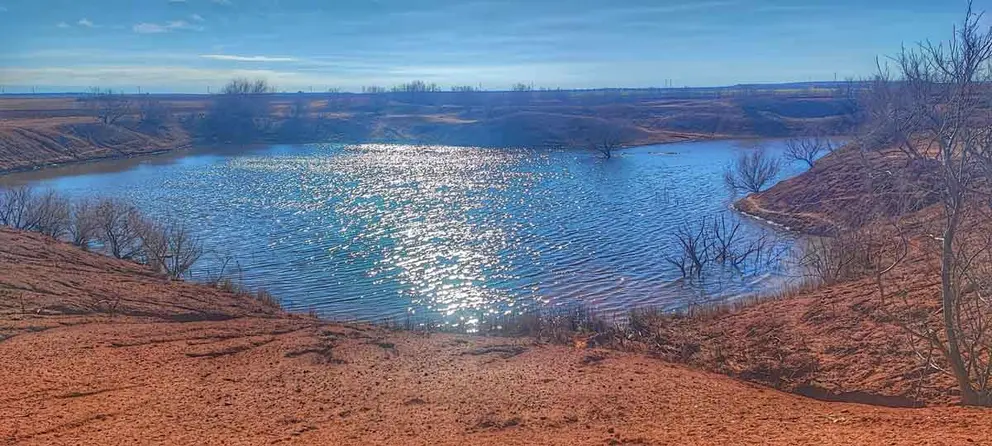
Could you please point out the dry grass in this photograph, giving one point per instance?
(261, 295)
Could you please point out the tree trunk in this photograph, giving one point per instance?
(949, 300)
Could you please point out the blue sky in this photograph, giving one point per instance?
(190, 45)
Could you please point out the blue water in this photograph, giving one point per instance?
(383, 231)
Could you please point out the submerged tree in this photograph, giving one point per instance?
(607, 141)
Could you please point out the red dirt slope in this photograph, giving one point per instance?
(168, 371)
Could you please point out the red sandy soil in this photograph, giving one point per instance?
(187, 364)
(836, 342)
(835, 192)
(832, 343)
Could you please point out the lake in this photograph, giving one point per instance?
(376, 232)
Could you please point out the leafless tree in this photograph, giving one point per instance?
(752, 171)
(118, 226)
(692, 248)
(152, 111)
(239, 113)
(15, 207)
(85, 225)
(47, 213)
(170, 248)
(244, 86)
(807, 148)
(50, 214)
(417, 86)
(604, 140)
(300, 107)
(108, 105)
(848, 255)
(934, 110)
(731, 246)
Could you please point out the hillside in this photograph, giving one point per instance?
(40, 131)
(179, 363)
(836, 193)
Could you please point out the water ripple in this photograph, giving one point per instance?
(380, 231)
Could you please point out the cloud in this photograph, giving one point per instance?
(196, 18)
(155, 28)
(248, 58)
(149, 28)
(62, 25)
(169, 78)
(222, 2)
(86, 23)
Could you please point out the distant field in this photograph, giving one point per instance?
(45, 129)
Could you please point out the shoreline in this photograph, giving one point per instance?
(194, 147)
(177, 362)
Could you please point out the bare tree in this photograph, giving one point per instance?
(118, 226)
(934, 112)
(731, 246)
(752, 171)
(604, 140)
(239, 113)
(15, 208)
(50, 215)
(244, 86)
(109, 106)
(807, 148)
(171, 248)
(152, 111)
(693, 245)
(85, 225)
(607, 144)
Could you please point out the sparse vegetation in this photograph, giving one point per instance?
(753, 171)
(151, 111)
(807, 148)
(718, 240)
(240, 112)
(22, 208)
(108, 106)
(113, 227)
(929, 111)
(170, 248)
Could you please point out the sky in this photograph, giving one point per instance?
(192, 45)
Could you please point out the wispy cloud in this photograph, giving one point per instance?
(3, 9)
(196, 18)
(222, 2)
(232, 57)
(155, 28)
(177, 1)
(168, 78)
(86, 23)
(62, 25)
